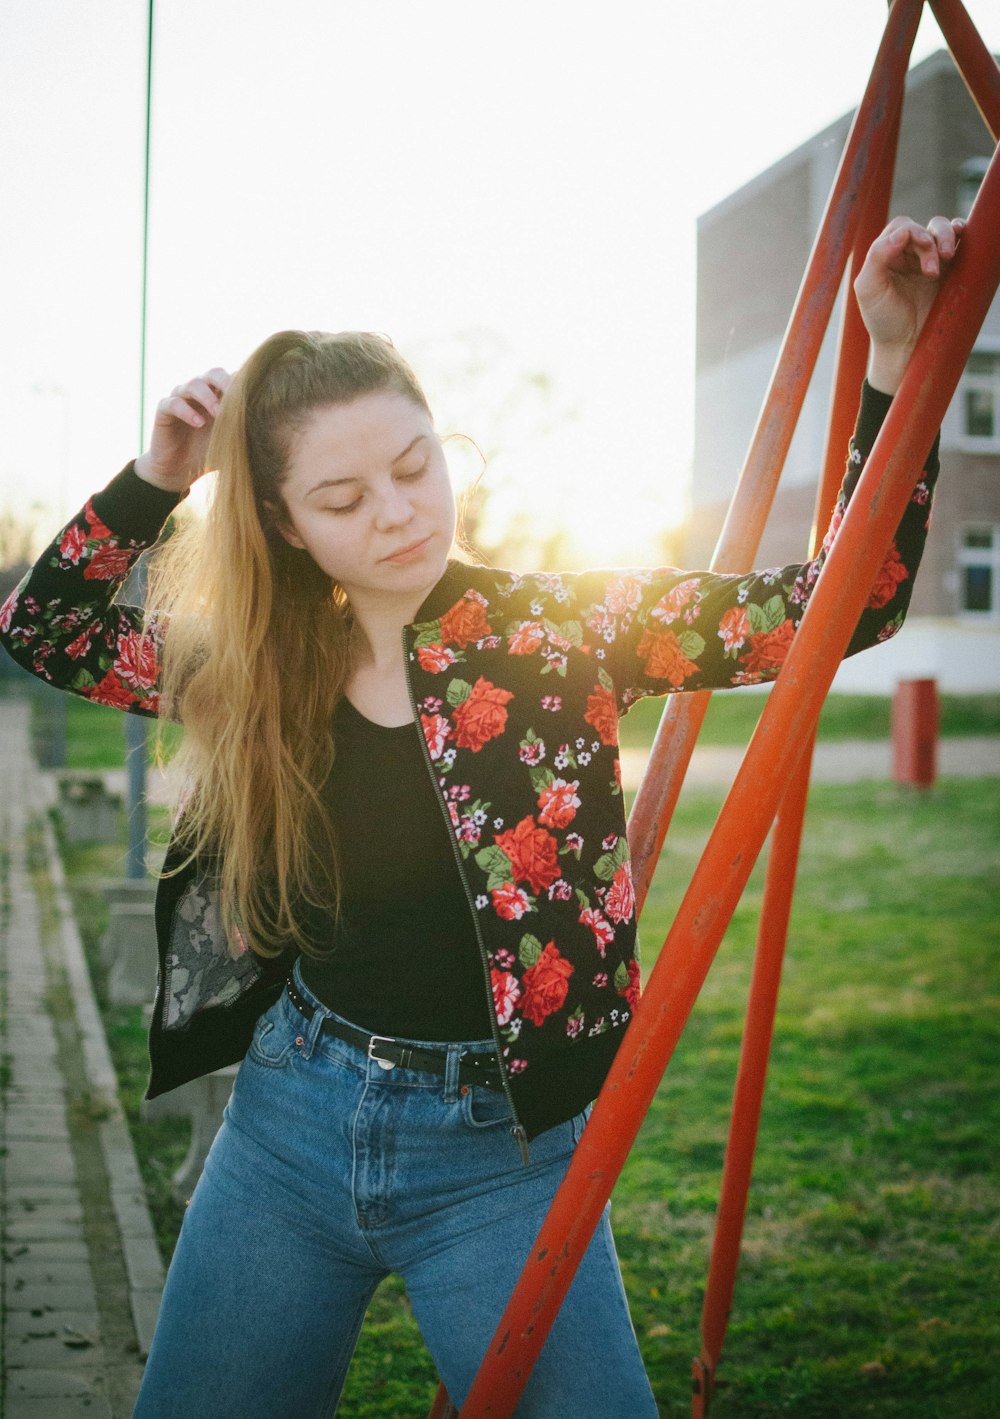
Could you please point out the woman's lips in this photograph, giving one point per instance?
(406, 553)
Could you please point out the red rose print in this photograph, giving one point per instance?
(465, 622)
(526, 639)
(136, 663)
(98, 531)
(620, 900)
(602, 713)
(435, 657)
(631, 991)
(769, 648)
(604, 932)
(482, 716)
(669, 607)
(436, 730)
(532, 854)
(734, 627)
(891, 574)
(546, 984)
(111, 691)
(558, 803)
(506, 994)
(74, 542)
(106, 563)
(664, 658)
(603, 624)
(7, 612)
(623, 595)
(510, 902)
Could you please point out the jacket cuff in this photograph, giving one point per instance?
(133, 508)
(871, 416)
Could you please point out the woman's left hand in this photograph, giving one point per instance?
(896, 288)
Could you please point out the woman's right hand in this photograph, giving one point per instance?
(178, 445)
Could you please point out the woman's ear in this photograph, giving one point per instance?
(278, 519)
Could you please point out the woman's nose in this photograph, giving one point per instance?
(394, 508)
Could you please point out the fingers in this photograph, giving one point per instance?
(197, 400)
(905, 245)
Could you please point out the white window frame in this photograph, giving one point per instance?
(980, 443)
(977, 557)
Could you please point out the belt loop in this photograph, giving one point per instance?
(453, 1060)
(313, 1029)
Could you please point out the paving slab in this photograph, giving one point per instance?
(81, 1407)
(61, 1347)
(53, 1383)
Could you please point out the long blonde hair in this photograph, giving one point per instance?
(257, 646)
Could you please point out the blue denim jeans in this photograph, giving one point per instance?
(329, 1173)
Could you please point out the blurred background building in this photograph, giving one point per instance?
(752, 250)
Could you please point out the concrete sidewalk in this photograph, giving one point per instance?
(81, 1274)
(844, 761)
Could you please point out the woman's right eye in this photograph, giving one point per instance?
(347, 507)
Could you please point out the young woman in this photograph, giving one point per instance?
(399, 887)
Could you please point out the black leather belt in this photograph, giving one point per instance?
(481, 1069)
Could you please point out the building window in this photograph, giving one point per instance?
(980, 401)
(979, 570)
(970, 177)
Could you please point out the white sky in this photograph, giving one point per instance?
(521, 180)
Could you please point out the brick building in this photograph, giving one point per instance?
(752, 250)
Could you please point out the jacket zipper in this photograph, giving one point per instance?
(518, 1130)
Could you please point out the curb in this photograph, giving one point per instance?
(139, 1247)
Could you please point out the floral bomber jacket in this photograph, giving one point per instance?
(517, 683)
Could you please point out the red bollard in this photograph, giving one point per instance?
(915, 732)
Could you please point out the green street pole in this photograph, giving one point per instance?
(135, 725)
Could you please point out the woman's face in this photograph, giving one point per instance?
(367, 495)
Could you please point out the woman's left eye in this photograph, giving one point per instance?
(413, 474)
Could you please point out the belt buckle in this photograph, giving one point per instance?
(383, 1039)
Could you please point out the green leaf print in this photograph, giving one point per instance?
(604, 680)
(82, 680)
(541, 779)
(605, 867)
(496, 864)
(621, 976)
(691, 644)
(572, 631)
(766, 618)
(530, 950)
(458, 692)
(431, 635)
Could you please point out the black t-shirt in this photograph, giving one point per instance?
(403, 959)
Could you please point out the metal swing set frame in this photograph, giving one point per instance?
(771, 787)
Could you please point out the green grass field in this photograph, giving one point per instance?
(870, 1254)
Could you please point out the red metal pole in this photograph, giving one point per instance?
(442, 1408)
(893, 469)
(750, 1080)
(867, 141)
(975, 63)
(779, 886)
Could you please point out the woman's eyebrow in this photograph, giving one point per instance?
(355, 478)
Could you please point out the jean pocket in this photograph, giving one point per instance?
(579, 1122)
(486, 1108)
(272, 1043)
